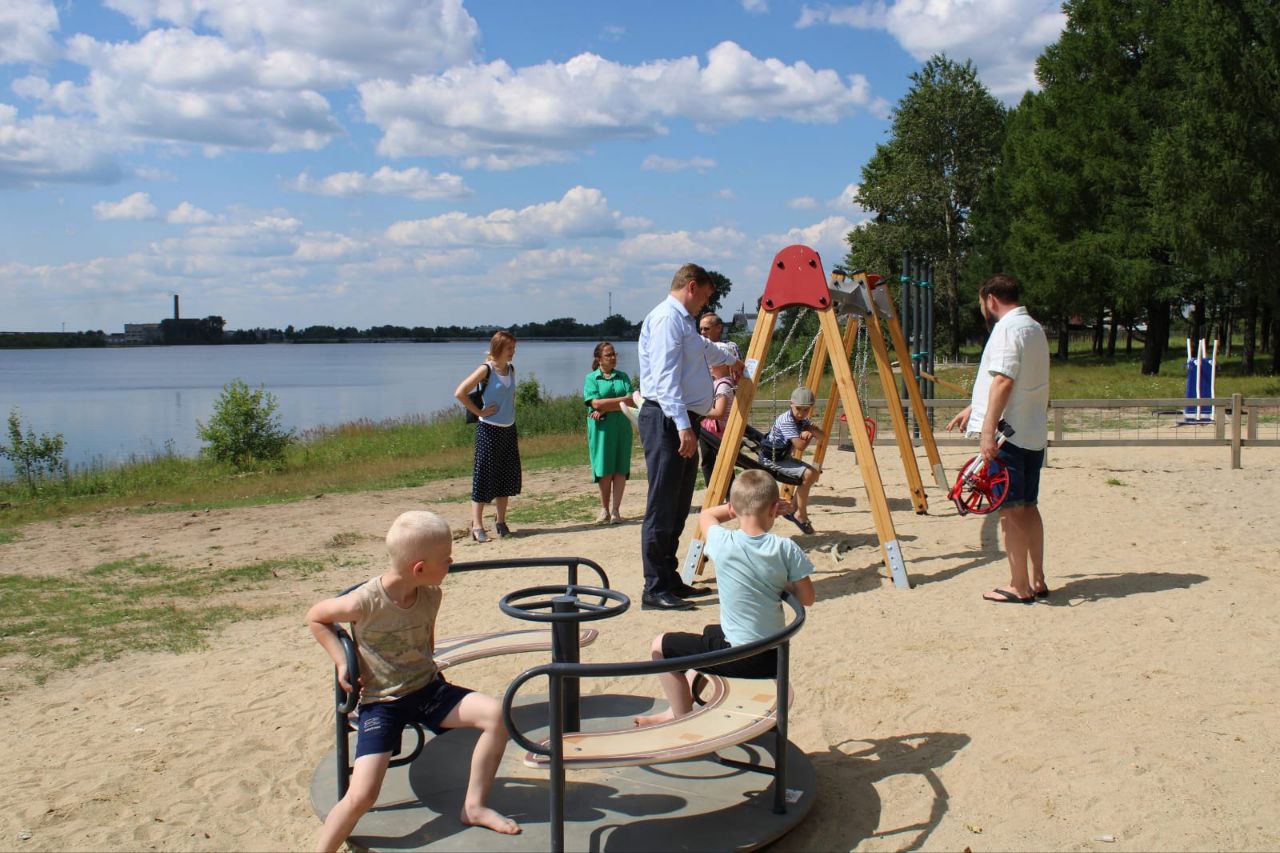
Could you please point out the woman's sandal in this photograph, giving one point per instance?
(501, 529)
(478, 534)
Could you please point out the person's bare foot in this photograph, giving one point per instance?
(489, 819)
(654, 719)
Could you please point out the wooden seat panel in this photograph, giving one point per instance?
(457, 650)
(738, 710)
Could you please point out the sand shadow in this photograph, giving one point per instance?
(833, 500)
(849, 810)
(988, 552)
(1090, 588)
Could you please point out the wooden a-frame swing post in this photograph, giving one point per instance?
(882, 303)
(796, 279)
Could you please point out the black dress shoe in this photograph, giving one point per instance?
(663, 601)
(685, 590)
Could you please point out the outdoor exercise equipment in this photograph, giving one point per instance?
(694, 779)
(1201, 375)
(796, 280)
(981, 487)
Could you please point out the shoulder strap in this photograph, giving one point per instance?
(484, 383)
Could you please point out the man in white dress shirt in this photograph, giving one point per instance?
(1013, 385)
(675, 380)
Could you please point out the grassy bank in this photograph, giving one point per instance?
(352, 457)
(55, 623)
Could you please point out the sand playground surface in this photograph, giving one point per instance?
(1136, 709)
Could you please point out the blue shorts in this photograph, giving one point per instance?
(382, 723)
(1024, 475)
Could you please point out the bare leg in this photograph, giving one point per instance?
(606, 486)
(619, 486)
(676, 688)
(802, 494)
(1016, 524)
(477, 515)
(366, 782)
(501, 505)
(1035, 548)
(478, 711)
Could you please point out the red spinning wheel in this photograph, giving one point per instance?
(980, 488)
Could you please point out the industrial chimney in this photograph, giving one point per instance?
(175, 306)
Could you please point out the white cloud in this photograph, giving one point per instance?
(582, 212)
(134, 206)
(47, 149)
(26, 31)
(1002, 37)
(493, 116)
(174, 85)
(825, 237)
(657, 163)
(188, 214)
(325, 246)
(414, 183)
(804, 202)
(844, 201)
(391, 38)
(756, 7)
(612, 32)
(725, 194)
(675, 247)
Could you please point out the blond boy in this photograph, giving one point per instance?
(393, 617)
(753, 568)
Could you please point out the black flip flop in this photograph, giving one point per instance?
(1007, 597)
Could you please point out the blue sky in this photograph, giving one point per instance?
(435, 162)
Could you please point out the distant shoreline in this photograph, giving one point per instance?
(27, 345)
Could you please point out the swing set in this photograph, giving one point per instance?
(796, 281)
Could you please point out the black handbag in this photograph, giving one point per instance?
(477, 396)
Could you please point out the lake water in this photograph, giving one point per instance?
(113, 404)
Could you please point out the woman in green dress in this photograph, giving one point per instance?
(606, 390)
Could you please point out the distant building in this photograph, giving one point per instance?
(143, 333)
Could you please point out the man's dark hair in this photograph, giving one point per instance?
(688, 273)
(1003, 287)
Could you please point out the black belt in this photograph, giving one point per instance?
(693, 416)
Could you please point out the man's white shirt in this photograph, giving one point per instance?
(675, 362)
(1019, 350)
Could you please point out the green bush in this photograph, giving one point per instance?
(34, 457)
(529, 392)
(245, 430)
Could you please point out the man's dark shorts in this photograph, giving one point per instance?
(382, 723)
(678, 644)
(1024, 475)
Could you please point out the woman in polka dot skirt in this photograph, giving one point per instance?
(496, 475)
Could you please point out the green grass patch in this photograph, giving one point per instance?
(55, 623)
(1112, 481)
(358, 456)
(8, 534)
(554, 510)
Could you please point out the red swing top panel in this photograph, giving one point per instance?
(796, 278)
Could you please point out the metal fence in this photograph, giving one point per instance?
(1235, 422)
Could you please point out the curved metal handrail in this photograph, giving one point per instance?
(570, 563)
(557, 671)
(345, 701)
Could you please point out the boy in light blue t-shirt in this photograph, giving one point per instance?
(753, 568)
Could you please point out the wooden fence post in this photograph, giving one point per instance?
(1237, 418)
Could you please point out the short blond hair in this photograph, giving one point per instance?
(413, 534)
(753, 492)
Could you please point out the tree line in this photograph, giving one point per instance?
(1138, 185)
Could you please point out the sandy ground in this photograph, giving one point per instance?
(1133, 704)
